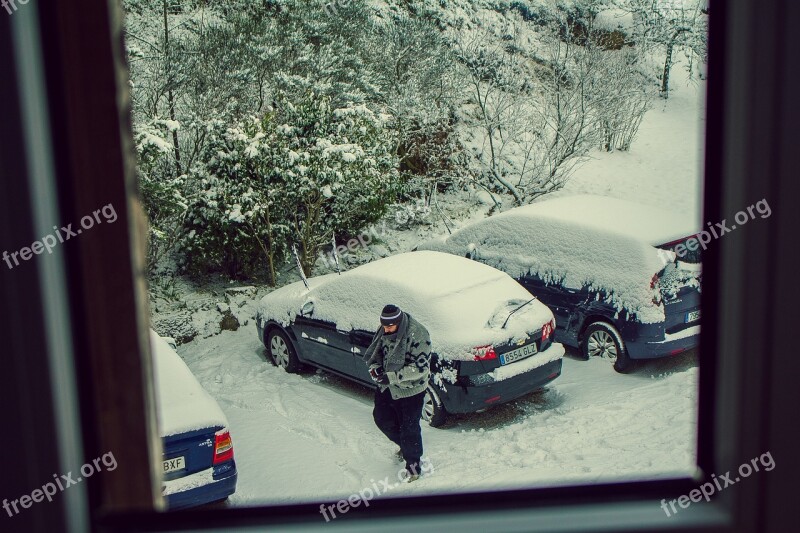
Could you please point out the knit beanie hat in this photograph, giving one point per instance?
(391, 315)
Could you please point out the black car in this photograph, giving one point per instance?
(605, 267)
(492, 341)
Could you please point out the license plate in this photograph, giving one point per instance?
(174, 464)
(519, 353)
(691, 316)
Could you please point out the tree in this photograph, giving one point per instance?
(533, 107)
(415, 78)
(670, 25)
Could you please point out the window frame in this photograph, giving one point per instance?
(750, 117)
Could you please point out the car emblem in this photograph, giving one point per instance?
(520, 342)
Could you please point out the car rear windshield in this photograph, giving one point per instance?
(685, 254)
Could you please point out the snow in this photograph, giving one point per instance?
(563, 248)
(183, 405)
(650, 224)
(203, 478)
(454, 298)
(171, 125)
(236, 214)
(553, 353)
(154, 140)
(664, 166)
(590, 425)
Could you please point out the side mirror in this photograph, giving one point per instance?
(307, 309)
(472, 251)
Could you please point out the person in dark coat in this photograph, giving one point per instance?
(399, 358)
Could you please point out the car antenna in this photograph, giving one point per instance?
(335, 255)
(300, 266)
(515, 310)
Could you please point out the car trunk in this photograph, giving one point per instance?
(188, 453)
(489, 357)
(679, 284)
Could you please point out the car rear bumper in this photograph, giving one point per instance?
(671, 345)
(471, 398)
(206, 486)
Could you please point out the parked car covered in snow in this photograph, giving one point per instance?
(492, 342)
(605, 267)
(198, 464)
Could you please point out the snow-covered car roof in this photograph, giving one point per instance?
(461, 302)
(647, 223)
(183, 404)
(579, 242)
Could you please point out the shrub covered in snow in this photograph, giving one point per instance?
(300, 174)
(161, 190)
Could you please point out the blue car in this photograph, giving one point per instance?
(622, 279)
(198, 465)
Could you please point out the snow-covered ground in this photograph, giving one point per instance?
(665, 164)
(311, 437)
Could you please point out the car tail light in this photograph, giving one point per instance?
(657, 298)
(482, 353)
(223, 446)
(548, 329)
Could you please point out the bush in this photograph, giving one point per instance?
(299, 175)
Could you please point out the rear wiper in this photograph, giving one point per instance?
(515, 310)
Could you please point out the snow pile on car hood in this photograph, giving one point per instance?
(453, 297)
(183, 405)
(559, 242)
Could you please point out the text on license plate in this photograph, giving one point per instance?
(174, 464)
(691, 316)
(519, 353)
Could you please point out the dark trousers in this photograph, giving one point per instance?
(399, 421)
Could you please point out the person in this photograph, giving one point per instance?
(399, 358)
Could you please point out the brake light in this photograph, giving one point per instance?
(653, 281)
(548, 329)
(482, 353)
(223, 446)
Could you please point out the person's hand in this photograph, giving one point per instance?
(378, 375)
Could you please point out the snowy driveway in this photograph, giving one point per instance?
(311, 436)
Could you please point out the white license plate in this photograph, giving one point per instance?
(519, 353)
(692, 316)
(174, 464)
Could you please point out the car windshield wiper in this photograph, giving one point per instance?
(515, 310)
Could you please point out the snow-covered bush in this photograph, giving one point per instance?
(161, 191)
(301, 174)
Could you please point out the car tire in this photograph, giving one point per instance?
(601, 339)
(280, 349)
(433, 412)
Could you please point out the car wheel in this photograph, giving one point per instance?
(603, 340)
(433, 411)
(282, 352)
